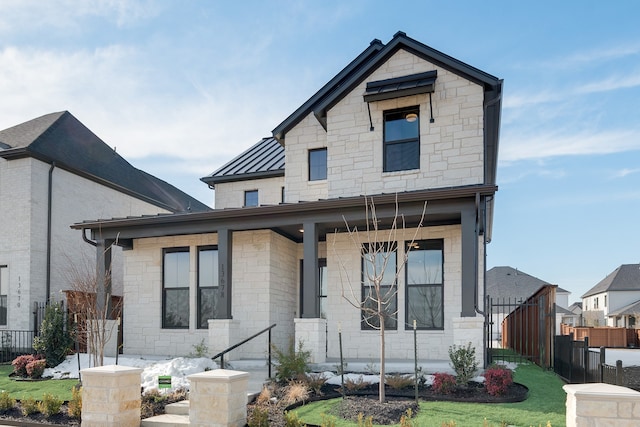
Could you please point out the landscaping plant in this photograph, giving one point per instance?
(54, 340)
(443, 383)
(6, 401)
(74, 407)
(291, 364)
(497, 380)
(463, 361)
(35, 368)
(28, 406)
(49, 405)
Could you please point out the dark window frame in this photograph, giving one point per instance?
(391, 322)
(4, 299)
(200, 288)
(390, 144)
(429, 244)
(317, 172)
(251, 193)
(165, 290)
(322, 297)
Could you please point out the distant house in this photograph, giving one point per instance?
(508, 286)
(55, 172)
(403, 124)
(615, 300)
(574, 315)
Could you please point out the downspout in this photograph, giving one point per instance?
(49, 216)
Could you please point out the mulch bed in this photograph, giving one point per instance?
(14, 417)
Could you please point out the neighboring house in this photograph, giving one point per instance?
(402, 123)
(574, 317)
(615, 300)
(507, 287)
(55, 172)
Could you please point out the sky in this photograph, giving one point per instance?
(179, 88)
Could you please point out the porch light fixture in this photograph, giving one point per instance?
(411, 117)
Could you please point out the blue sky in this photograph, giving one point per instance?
(181, 87)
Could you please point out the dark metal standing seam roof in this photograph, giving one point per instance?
(265, 159)
(62, 139)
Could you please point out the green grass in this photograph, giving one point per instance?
(546, 403)
(23, 389)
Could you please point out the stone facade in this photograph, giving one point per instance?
(231, 194)
(601, 405)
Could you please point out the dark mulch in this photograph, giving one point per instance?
(366, 401)
(14, 417)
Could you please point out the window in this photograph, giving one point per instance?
(322, 280)
(318, 164)
(175, 288)
(424, 281)
(379, 265)
(4, 287)
(605, 301)
(207, 284)
(402, 139)
(251, 198)
(595, 303)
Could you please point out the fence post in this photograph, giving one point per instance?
(35, 318)
(585, 356)
(619, 373)
(603, 360)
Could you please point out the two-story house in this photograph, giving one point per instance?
(403, 124)
(615, 300)
(54, 172)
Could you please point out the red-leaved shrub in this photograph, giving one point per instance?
(443, 383)
(497, 380)
(35, 369)
(20, 364)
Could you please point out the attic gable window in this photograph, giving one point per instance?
(397, 87)
(401, 139)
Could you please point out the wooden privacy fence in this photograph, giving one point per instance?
(601, 336)
(576, 362)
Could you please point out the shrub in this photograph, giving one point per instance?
(291, 364)
(74, 407)
(50, 405)
(358, 384)
(20, 364)
(6, 401)
(364, 422)
(54, 340)
(291, 420)
(264, 397)
(315, 381)
(199, 350)
(259, 417)
(497, 380)
(397, 381)
(296, 392)
(406, 419)
(463, 361)
(35, 368)
(154, 401)
(328, 421)
(28, 406)
(443, 383)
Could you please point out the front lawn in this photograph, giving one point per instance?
(546, 403)
(21, 389)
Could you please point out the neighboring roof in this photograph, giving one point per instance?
(576, 307)
(264, 160)
(632, 309)
(511, 283)
(61, 139)
(372, 58)
(562, 310)
(624, 278)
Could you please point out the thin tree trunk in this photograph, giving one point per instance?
(382, 396)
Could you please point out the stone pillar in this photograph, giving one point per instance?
(313, 334)
(218, 398)
(223, 333)
(601, 404)
(111, 396)
(470, 330)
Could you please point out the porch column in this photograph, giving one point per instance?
(225, 246)
(103, 275)
(469, 260)
(311, 285)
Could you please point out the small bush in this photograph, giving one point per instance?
(358, 384)
(291, 420)
(50, 405)
(296, 392)
(259, 417)
(397, 381)
(443, 383)
(74, 407)
(364, 422)
(28, 406)
(315, 381)
(291, 364)
(199, 350)
(35, 368)
(20, 364)
(328, 421)
(463, 361)
(497, 380)
(406, 419)
(54, 340)
(7, 402)
(265, 396)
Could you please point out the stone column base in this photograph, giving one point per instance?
(313, 334)
(218, 398)
(223, 333)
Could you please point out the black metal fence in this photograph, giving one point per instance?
(15, 343)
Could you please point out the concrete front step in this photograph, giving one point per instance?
(166, 420)
(178, 408)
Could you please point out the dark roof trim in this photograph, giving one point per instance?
(238, 215)
(413, 84)
(244, 177)
(333, 85)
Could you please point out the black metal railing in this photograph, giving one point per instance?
(14, 343)
(233, 347)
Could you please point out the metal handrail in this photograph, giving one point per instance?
(233, 347)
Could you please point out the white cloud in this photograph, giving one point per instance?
(625, 172)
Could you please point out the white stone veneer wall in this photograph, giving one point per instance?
(231, 194)
(600, 404)
(451, 148)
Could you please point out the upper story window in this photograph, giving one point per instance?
(318, 164)
(175, 288)
(402, 139)
(251, 198)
